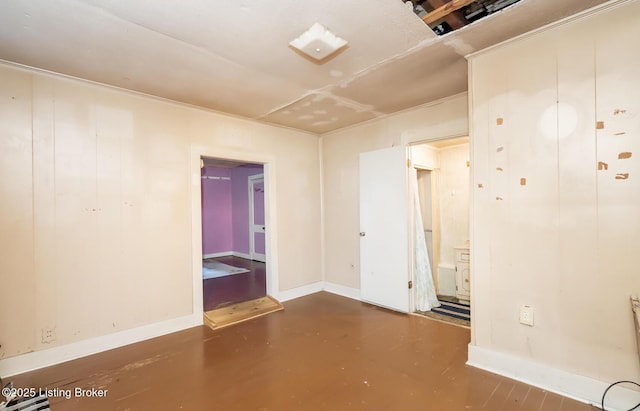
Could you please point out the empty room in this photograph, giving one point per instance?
(386, 205)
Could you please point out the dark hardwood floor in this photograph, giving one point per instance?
(232, 289)
(323, 352)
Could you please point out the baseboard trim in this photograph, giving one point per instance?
(227, 254)
(241, 255)
(343, 290)
(216, 255)
(298, 292)
(56, 355)
(577, 387)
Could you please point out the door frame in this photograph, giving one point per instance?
(254, 179)
(270, 213)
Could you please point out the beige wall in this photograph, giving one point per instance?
(567, 242)
(453, 180)
(341, 176)
(96, 206)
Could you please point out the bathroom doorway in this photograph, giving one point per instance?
(443, 171)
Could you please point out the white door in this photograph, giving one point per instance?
(257, 226)
(384, 228)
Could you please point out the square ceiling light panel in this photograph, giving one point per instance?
(318, 42)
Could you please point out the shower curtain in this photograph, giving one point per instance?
(426, 298)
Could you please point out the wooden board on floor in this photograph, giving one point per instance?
(237, 313)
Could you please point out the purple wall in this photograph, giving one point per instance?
(225, 209)
(217, 235)
(240, 194)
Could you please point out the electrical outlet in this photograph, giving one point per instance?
(526, 315)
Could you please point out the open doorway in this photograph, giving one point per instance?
(233, 232)
(443, 174)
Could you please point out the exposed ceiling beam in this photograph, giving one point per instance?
(455, 19)
(445, 10)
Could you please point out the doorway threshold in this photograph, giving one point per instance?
(451, 310)
(241, 312)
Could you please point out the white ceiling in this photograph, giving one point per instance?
(234, 56)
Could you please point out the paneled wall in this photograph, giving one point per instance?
(453, 183)
(556, 194)
(96, 201)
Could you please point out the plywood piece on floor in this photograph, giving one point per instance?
(237, 313)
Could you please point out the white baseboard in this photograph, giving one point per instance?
(227, 254)
(580, 388)
(216, 255)
(44, 358)
(337, 289)
(298, 292)
(342, 290)
(241, 255)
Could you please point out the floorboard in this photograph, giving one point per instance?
(322, 352)
(233, 289)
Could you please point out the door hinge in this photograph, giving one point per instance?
(408, 163)
(410, 284)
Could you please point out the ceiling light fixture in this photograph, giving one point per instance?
(318, 42)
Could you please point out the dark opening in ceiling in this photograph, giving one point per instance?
(444, 16)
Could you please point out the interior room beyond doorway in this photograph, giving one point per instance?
(443, 172)
(233, 232)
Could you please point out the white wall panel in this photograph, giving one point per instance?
(480, 125)
(76, 264)
(16, 215)
(577, 242)
(562, 241)
(44, 221)
(618, 188)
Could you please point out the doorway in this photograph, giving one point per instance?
(443, 170)
(256, 218)
(233, 253)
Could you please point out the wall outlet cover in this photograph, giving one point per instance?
(526, 315)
